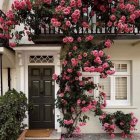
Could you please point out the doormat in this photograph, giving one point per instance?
(38, 133)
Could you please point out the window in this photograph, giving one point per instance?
(117, 87)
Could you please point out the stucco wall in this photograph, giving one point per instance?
(122, 50)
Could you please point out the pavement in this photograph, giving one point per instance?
(101, 137)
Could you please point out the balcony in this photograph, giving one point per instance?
(48, 34)
(45, 33)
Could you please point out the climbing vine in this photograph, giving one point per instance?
(76, 95)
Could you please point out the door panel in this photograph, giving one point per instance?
(47, 88)
(41, 95)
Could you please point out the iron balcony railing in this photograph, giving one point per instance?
(47, 29)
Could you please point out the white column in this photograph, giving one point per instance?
(57, 71)
(21, 71)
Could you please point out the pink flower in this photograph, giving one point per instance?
(12, 44)
(72, 3)
(75, 15)
(69, 70)
(105, 65)
(87, 69)
(120, 25)
(79, 3)
(70, 39)
(121, 123)
(48, 1)
(61, 95)
(65, 62)
(112, 126)
(83, 102)
(78, 102)
(55, 77)
(112, 136)
(84, 10)
(108, 43)
(89, 38)
(109, 24)
(55, 22)
(10, 14)
(85, 109)
(79, 73)
(112, 17)
(66, 11)
(77, 130)
(102, 8)
(79, 39)
(75, 48)
(1, 20)
(68, 122)
(102, 116)
(122, 6)
(82, 123)
(132, 17)
(101, 53)
(90, 91)
(85, 25)
(98, 60)
(79, 57)
(74, 62)
(90, 106)
(95, 53)
(68, 23)
(123, 18)
(106, 125)
(110, 72)
(92, 69)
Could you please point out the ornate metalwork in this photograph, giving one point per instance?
(41, 59)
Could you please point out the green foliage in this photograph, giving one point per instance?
(123, 121)
(13, 106)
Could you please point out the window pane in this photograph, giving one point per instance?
(121, 67)
(105, 86)
(121, 88)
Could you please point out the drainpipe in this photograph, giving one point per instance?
(1, 86)
(9, 78)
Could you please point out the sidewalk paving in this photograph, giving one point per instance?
(101, 137)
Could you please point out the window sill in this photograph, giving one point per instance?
(121, 107)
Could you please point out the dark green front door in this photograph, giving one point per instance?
(41, 95)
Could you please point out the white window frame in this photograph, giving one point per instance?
(113, 101)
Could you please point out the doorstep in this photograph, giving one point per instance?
(53, 136)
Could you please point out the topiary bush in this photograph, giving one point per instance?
(13, 106)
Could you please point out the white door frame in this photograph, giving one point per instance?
(22, 63)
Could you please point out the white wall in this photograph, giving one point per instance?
(5, 79)
(122, 50)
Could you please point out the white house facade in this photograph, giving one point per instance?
(30, 66)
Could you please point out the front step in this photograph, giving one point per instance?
(54, 136)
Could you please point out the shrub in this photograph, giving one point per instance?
(13, 106)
